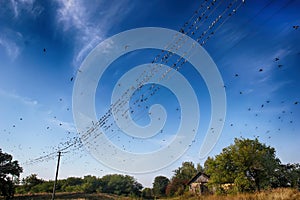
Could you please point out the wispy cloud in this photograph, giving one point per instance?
(24, 100)
(67, 126)
(72, 14)
(14, 5)
(231, 34)
(266, 61)
(10, 47)
(18, 6)
(11, 42)
(280, 85)
(88, 23)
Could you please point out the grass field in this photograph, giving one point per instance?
(70, 196)
(276, 194)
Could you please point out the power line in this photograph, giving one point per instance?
(85, 137)
(262, 22)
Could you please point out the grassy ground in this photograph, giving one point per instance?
(69, 196)
(276, 194)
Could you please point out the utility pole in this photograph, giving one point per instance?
(56, 175)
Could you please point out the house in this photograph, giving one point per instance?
(198, 184)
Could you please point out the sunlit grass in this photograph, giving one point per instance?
(275, 194)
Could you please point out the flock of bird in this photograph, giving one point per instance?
(204, 16)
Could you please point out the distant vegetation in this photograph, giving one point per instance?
(248, 166)
(112, 184)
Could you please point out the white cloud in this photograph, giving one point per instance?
(11, 41)
(90, 23)
(72, 14)
(23, 100)
(67, 126)
(279, 85)
(18, 6)
(11, 48)
(86, 49)
(14, 5)
(281, 53)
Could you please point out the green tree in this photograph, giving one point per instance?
(30, 181)
(160, 185)
(247, 163)
(186, 171)
(200, 168)
(45, 187)
(120, 185)
(181, 177)
(72, 184)
(91, 184)
(9, 174)
(147, 193)
(175, 187)
(287, 176)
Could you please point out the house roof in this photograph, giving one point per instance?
(196, 177)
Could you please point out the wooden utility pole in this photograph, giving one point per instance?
(56, 175)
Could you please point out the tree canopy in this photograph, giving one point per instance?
(113, 184)
(248, 164)
(9, 174)
(160, 185)
(120, 184)
(181, 177)
(287, 175)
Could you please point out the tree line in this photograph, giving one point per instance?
(117, 184)
(246, 166)
(10, 183)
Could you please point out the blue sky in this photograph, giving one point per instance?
(36, 88)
